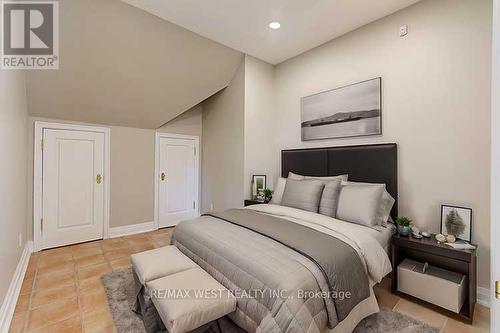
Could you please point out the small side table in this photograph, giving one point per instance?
(253, 202)
(442, 256)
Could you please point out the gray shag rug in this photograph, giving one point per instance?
(389, 321)
(119, 288)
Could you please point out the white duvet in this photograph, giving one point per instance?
(361, 238)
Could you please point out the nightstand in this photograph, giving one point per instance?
(442, 256)
(253, 202)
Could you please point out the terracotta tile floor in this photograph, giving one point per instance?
(62, 290)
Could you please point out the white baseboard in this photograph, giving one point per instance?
(483, 296)
(131, 229)
(10, 300)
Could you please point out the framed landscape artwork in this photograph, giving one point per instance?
(353, 110)
(456, 221)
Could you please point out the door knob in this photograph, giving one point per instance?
(497, 289)
(98, 178)
(162, 176)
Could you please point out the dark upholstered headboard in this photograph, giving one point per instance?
(376, 163)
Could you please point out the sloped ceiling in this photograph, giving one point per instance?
(122, 66)
(243, 24)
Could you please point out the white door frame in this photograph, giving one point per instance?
(38, 175)
(157, 170)
(495, 168)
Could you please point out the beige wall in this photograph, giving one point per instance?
(13, 174)
(223, 146)
(189, 123)
(436, 105)
(259, 111)
(132, 176)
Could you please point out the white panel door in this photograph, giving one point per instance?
(73, 187)
(177, 195)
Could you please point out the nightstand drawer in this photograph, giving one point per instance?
(437, 286)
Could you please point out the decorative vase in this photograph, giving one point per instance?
(403, 230)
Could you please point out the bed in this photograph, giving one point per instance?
(280, 262)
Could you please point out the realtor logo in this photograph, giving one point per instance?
(30, 35)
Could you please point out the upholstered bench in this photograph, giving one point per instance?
(157, 263)
(173, 292)
(190, 299)
(150, 265)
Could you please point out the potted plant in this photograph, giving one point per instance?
(268, 194)
(403, 224)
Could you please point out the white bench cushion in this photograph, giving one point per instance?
(183, 314)
(157, 263)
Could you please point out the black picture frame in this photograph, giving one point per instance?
(255, 190)
(468, 223)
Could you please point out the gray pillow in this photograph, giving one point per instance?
(330, 198)
(302, 194)
(384, 210)
(359, 204)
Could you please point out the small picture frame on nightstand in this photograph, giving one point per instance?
(258, 185)
(456, 221)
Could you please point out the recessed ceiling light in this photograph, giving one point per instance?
(274, 25)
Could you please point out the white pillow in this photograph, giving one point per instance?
(295, 176)
(338, 177)
(386, 202)
(360, 204)
(278, 191)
